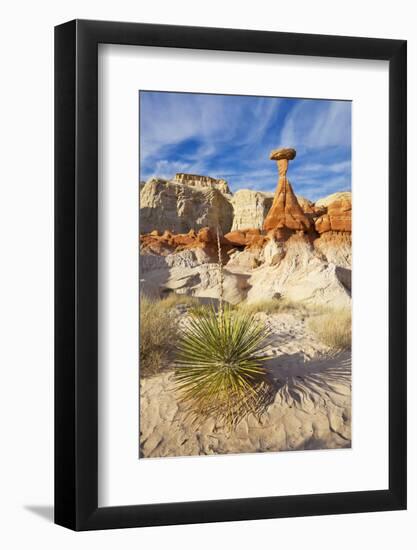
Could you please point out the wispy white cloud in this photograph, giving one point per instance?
(171, 118)
(166, 168)
(318, 124)
(231, 137)
(319, 168)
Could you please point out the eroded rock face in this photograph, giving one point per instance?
(273, 252)
(338, 216)
(178, 208)
(256, 266)
(250, 209)
(306, 205)
(325, 201)
(203, 182)
(272, 245)
(250, 238)
(285, 211)
(296, 271)
(170, 244)
(336, 247)
(190, 272)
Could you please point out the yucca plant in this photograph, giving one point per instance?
(219, 360)
(219, 364)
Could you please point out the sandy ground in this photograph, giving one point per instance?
(310, 407)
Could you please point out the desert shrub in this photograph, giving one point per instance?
(333, 328)
(219, 360)
(158, 331)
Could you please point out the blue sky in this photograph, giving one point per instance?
(230, 137)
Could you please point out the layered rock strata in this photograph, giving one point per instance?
(325, 201)
(338, 216)
(272, 246)
(248, 238)
(297, 269)
(250, 209)
(202, 182)
(165, 205)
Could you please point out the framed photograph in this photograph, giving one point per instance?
(230, 244)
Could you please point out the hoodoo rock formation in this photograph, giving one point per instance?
(272, 244)
(285, 211)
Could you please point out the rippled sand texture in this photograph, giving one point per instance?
(309, 405)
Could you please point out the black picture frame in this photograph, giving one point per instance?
(76, 272)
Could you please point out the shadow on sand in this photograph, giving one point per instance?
(295, 381)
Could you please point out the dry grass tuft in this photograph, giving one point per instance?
(333, 328)
(172, 300)
(158, 332)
